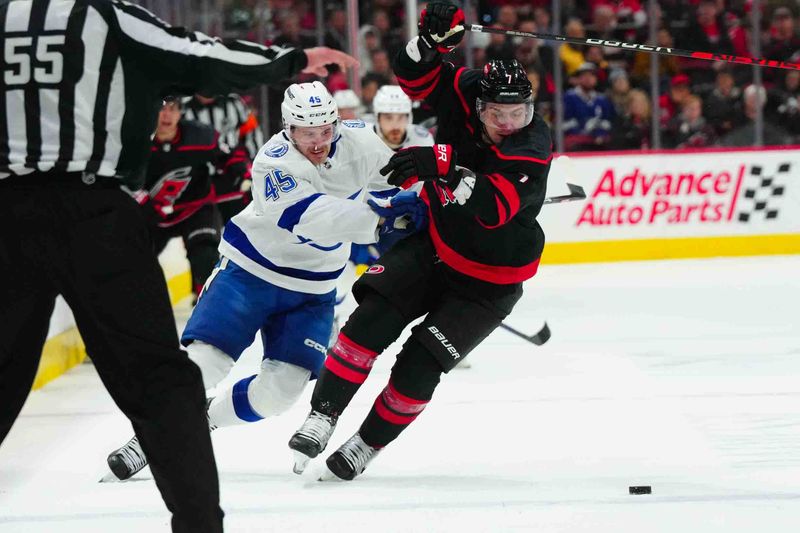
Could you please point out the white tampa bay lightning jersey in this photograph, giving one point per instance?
(296, 233)
(415, 136)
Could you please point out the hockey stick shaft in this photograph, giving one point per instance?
(635, 47)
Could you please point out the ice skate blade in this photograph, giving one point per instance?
(328, 475)
(110, 477)
(301, 461)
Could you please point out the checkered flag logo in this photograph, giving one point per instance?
(762, 192)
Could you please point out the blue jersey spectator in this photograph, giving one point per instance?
(588, 115)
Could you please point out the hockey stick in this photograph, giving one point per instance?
(576, 192)
(538, 339)
(477, 28)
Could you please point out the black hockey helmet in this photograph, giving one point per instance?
(172, 99)
(505, 82)
(506, 100)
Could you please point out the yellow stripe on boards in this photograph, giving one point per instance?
(66, 350)
(685, 248)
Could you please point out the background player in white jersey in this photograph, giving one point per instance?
(281, 256)
(393, 125)
(349, 104)
(393, 117)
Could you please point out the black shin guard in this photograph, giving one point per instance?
(414, 377)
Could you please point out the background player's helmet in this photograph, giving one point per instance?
(391, 99)
(505, 82)
(172, 99)
(346, 99)
(308, 105)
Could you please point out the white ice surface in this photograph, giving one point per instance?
(682, 375)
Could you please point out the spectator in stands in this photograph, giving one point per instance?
(632, 130)
(723, 106)
(336, 28)
(737, 34)
(689, 129)
(707, 32)
(595, 54)
(391, 38)
(507, 17)
(370, 84)
(572, 55)
(380, 64)
(543, 92)
(291, 34)
(619, 90)
(588, 115)
(668, 66)
(786, 98)
(744, 135)
(500, 47)
(368, 41)
(670, 104)
(783, 39)
(543, 21)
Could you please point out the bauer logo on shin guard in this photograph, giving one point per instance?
(446, 343)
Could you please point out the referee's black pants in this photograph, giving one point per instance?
(90, 244)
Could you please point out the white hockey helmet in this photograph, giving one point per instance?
(347, 99)
(308, 105)
(391, 99)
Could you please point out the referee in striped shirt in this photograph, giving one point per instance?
(80, 90)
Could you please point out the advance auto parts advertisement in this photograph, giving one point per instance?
(679, 195)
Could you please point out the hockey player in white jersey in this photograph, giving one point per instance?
(393, 118)
(393, 125)
(281, 257)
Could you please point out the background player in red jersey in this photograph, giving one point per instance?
(484, 184)
(178, 196)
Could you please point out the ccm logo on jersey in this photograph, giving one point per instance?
(314, 344)
(446, 343)
(375, 269)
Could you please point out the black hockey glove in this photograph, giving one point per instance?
(423, 163)
(441, 27)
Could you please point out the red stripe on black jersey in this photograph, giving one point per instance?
(508, 157)
(509, 194)
(467, 110)
(501, 275)
(422, 80)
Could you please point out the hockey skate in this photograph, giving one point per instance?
(349, 460)
(129, 460)
(312, 437)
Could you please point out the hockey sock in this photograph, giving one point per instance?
(372, 327)
(414, 378)
(274, 390)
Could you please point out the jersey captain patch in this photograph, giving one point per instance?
(277, 150)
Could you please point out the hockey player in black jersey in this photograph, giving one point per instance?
(178, 196)
(484, 184)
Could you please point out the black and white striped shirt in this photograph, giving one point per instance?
(229, 116)
(82, 81)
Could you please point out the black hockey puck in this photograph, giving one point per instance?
(640, 489)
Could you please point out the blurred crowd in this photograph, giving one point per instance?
(606, 91)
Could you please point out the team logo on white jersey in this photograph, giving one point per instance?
(354, 123)
(277, 150)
